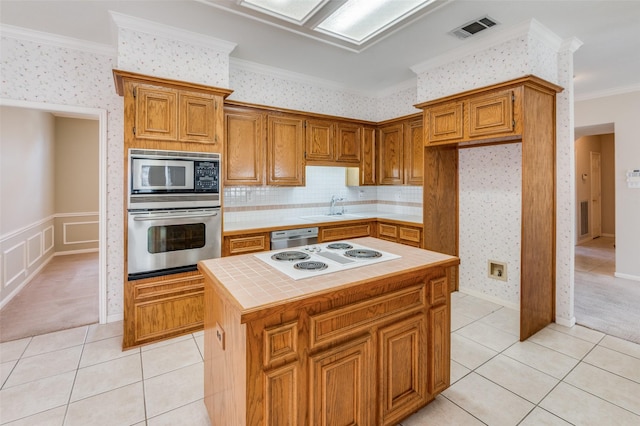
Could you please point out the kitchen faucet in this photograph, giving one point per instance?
(332, 209)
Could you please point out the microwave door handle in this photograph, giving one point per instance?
(145, 218)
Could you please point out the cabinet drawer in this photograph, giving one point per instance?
(387, 231)
(342, 232)
(168, 317)
(410, 236)
(360, 316)
(246, 244)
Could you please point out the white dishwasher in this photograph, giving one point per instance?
(293, 238)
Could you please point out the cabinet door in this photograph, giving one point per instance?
(244, 147)
(156, 116)
(319, 140)
(342, 381)
(242, 244)
(414, 153)
(491, 114)
(444, 123)
(196, 118)
(410, 236)
(390, 158)
(285, 151)
(368, 163)
(348, 143)
(439, 357)
(403, 365)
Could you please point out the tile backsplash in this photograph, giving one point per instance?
(242, 203)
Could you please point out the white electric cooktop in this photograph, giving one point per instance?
(324, 258)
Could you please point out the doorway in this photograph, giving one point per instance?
(101, 116)
(603, 301)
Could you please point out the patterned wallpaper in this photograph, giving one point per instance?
(490, 180)
(521, 55)
(273, 89)
(162, 57)
(39, 72)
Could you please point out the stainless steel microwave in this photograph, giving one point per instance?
(161, 179)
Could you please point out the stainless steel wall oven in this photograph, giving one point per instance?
(174, 217)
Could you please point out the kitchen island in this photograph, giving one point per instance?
(363, 346)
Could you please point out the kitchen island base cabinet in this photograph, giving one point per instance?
(370, 354)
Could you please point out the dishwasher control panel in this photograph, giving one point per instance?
(294, 237)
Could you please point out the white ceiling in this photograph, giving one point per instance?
(607, 63)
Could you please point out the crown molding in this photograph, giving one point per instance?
(530, 27)
(20, 33)
(244, 65)
(571, 45)
(173, 33)
(615, 91)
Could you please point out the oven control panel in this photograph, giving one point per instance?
(206, 176)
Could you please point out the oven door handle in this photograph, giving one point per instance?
(195, 216)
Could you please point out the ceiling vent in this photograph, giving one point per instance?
(473, 27)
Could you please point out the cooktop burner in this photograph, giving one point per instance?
(362, 253)
(311, 266)
(339, 246)
(290, 256)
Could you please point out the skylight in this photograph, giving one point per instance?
(358, 20)
(352, 24)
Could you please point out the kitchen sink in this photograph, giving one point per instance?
(330, 217)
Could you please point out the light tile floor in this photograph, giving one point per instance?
(560, 376)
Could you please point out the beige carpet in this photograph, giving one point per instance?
(63, 295)
(604, 302)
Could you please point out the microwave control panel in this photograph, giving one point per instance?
(206, 176)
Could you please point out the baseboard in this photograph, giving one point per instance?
(608, 235)
(115, 318)
(479, 295)
(65, 253)
(627, 276)
(566, 322)
(18, 289)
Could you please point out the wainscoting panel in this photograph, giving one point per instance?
(34, 249)
(77, 232)
(14, 264)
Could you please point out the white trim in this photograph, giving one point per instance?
(53, 241)
(40, 254)
(79, 214)
(627, 276)
(57, 40)
(566, 322)
(7, 282)
(64, 232)
(101, 115)
(81, 251)
(530, 27)
(114, 318)
(479, 295)
(172, 33)
(608, 92)
(24, 229)
(17, 290)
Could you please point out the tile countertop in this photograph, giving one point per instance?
(314, 220)
(253, 285)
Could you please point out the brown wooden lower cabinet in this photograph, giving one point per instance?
(367, 356)
(247, 243)
(403, 234)
(344, 231)
(162, 307)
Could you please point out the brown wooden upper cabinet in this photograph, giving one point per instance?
(368, 161)
(320, 140)
(332, 143)
(262, 148)
(174, 115)
(244, 147)
(491, 115)
(285, 150)
(169, 114)
(400, 152)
